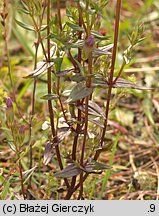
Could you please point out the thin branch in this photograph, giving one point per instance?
(49, 91)
(118, 8)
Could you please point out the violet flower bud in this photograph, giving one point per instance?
(22, 129)
(89, 42)
(9, 112)
(9, 102)
(88, 46)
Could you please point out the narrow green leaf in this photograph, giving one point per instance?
(5, 190)
(25, 26)
(50, 97)
(75, 27)
(41, 68)
(94, 165)
(99, 36)
(78, 92)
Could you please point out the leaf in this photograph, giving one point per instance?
(48, 153)
(122, 83)
(94, 106)
(25, 26)
(93, 109)
(99, 36)
(50, 97)
(96, 121)
(75, 27)
(64, 72)
(70, 171)
(5, 190)
(63, 132)
(77, 44)
(53, 49)
(41, 68)
(96, 52)
(45, 125)
(77, 78)
(78, 92)
(28, 173)
(96, 166)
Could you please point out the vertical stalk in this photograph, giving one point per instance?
(59, 14)
(117, 20)
(49, 77)
(4, 13)
(78, 128)
(19, 161)
(88, 84)
(33, 97)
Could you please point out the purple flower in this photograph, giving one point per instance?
(9, 102)
(89, 42)
(22, 129)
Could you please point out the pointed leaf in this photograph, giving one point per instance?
(5, 190)
(122, 83)
(25, 26)
(96, 52)
(48, 153)
(75, 27)
(98, 35)
(77, 78)
(41, 68)
(96, 121)
(77, 44)
(50, 97)
(78, 92)
(93, 109)
(70, 171)
(94, 106)
(96, 166)
(63, 132)
(62, 73)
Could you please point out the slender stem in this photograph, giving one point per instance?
(117, 20)
(120, 71)
(33, 97)
(21, 179)
(78, 128)
(39, 36)
(13, 89)
(88, 84)
(17, 148)
(9, 67)
(84, 177)
(49, 91)
(59, 14)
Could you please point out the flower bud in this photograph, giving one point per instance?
(89, 42)
(21, 135)
(22, 129)
(9, 102)
(88, 46)
(9, 112)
